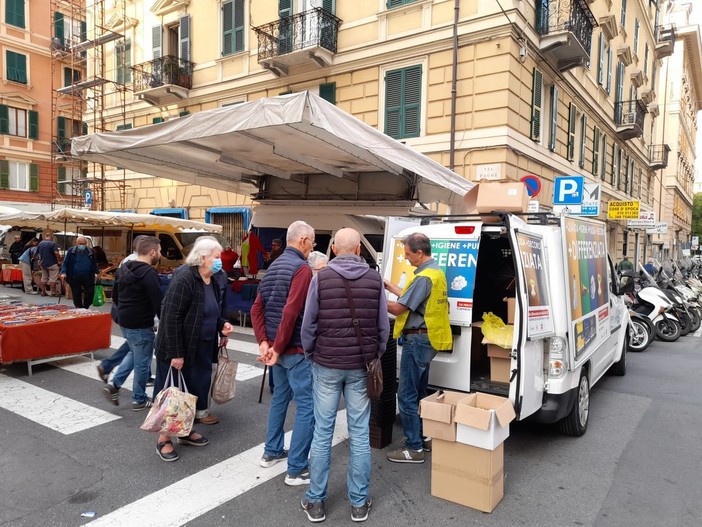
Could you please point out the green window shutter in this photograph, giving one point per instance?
(183, 113)
(61, 126)
(609, 70)
(4, 174)
(184, 37)
(67, 76)
(58, 26)
(600, 64)
(227, 28)
(329, 6)
(393, 102)
(595, 150)
(583, 139)
(83, 31)
(284, 8)
(603, 170)
(156, 43)
(14, 13)
(126, 126)
(128, 61)
(395, 3)
(16, 67)
(622, 19)
(615, 169)
(403, 93)
(4, 119)
(239, 25)
(327, 91)
(157, 120)
(413, 99)
(536, 102)
(572, 115)
(84, 128)
(553, 128)
(34, 177)
(33, 124)
(119, 63)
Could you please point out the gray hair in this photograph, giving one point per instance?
(298, 229)
(315, 258)
(202, 248)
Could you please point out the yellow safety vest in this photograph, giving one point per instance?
(436, 316)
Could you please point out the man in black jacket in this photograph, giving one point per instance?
(16, 249)
(137, 292)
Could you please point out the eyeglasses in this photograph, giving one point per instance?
(313, 243)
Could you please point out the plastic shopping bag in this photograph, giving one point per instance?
(173, 412)
(224, 385)
(496, 331)
(99, 296)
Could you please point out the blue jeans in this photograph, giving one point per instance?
(292, 376)
(116, 359)
(417, 354)
(141, 346)
(328, 386)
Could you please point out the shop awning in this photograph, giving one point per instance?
(287, 148)
(173, 212)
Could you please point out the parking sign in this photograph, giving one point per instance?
(568, 190)
(88, 196)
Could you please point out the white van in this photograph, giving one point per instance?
(570, 322)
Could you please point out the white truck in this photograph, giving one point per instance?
(570, 322)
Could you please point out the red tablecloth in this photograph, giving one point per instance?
(11, 275)
(54, 338)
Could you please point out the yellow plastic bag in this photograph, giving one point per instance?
(496, 331)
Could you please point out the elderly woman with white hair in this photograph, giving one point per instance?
(317, 261)
(190, 326)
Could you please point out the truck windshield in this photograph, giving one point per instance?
(187, 239)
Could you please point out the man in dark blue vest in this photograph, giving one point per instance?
(277, 318)
(339, 355)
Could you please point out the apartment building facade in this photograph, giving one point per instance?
(509, 87)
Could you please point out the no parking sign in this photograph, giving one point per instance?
(533, 185)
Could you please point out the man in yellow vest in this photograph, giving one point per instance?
(422, 318)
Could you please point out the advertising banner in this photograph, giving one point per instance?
(539, 316)
(586, 261)
(623, 210)
(458, 260)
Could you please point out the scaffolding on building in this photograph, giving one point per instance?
(80, 85)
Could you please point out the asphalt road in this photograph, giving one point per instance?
(637, 464)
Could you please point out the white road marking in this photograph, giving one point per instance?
(698, 333)
(49, 409)
(201, 492)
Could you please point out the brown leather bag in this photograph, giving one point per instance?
(374, 370)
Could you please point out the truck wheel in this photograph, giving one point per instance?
(668, 330)
(619, 367)
(575, 423)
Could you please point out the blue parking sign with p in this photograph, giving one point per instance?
(568, 190)
(88, 195)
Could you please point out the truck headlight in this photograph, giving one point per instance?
(557, 357)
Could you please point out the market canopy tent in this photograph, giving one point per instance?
(61, 219)
(287, 148)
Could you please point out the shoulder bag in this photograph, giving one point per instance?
(374, 370)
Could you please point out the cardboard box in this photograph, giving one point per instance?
(510, 309)
(482, 420)
(487, 197)
(437, 412)
(467, 475)
(500, 370)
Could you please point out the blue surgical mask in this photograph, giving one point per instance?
(216, 265)
(82, 247)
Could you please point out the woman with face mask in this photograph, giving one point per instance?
(190, 328)
(79, 270)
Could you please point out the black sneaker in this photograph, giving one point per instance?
(137, 407)
(150, 381)
(111, 394)
(360, 514)
(268, 460)
(426, 443)
(102, 374)
(314, 511)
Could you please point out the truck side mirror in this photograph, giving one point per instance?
(626, 284)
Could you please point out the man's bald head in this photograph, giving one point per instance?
(347, 241)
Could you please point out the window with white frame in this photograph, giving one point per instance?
(17, 122)
(19, 175)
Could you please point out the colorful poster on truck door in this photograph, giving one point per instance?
(458, 260)
(588, 293)
(539, 314)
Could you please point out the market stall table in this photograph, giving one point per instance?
(11, 275)
(44, 333)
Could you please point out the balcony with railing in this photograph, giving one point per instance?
(629, 118)
(163, 80)
(303, 38)
(566, 31)
(665, 40)
(658, 156)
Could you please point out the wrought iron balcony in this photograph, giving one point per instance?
(163, 80)
(658, 156)
(665, 40)
(566, 31)
(629, 117)
(310, 36)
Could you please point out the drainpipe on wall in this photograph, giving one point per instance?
(454, 74)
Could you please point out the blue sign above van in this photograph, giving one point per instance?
(568, 190)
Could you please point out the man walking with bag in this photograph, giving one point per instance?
(277, 319)
(423, 320)
(137, 293)
(342, 297)
(80, 270)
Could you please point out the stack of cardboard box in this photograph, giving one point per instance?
(468, 432)
(500, 358)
